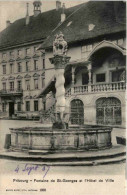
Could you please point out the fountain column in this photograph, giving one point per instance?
(60, 61)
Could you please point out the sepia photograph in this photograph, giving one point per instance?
(62, 97)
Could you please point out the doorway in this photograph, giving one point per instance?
(11, 109)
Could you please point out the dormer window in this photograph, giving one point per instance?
(27, 51)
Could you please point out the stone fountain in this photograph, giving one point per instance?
(60, 137)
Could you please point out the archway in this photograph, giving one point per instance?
(108, 111)
(77, 112)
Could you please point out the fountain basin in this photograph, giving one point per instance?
(72, 139)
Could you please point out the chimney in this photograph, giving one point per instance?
(8, 23)
(58, 5)
(27, 14)
(63, 16)
(37, 8)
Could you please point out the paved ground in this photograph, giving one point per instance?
(8, 166)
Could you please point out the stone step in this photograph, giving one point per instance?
(65, 157)
(40, 161)
(86, 163)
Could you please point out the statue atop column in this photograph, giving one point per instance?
(60, 61)
(59, 45)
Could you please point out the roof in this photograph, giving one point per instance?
(92, 19)
(38, 28)
(49, 87)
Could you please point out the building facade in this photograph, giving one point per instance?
(95, 76)
(21, 79)
(22, 66)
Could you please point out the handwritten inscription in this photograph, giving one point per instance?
(33, 168)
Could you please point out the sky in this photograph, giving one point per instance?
(16, 9)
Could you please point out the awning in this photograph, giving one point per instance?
(49, 87)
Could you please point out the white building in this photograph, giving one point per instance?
(95, 76)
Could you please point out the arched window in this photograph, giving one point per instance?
(108, 111)
(77, 112)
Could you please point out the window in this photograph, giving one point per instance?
(86, 50)
(27, 105)
(36, 105)
(4, 86)
(19, 106)
(19, 67)
(19, 52)
(35, 64)
(44, 105)
(3, 107)
(116, 75)
(4, 55)
(27, 85)
(27, 66)
(12, 54)
(108, 111)
(43, 82)
(100, 77)
(35, 83)
(11, 68)
(85, 78)
(27, 51)
(43, 63)
(19, 85)
(12, 86)
(43, 60)
(4, 69)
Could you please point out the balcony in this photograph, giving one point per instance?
(114, 86)
(93, 88)
(8, 92)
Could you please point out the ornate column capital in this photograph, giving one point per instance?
(59, 61)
